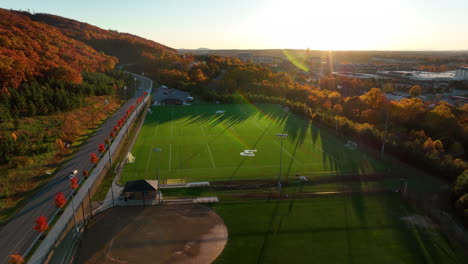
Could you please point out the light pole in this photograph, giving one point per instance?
(157, 171)
(71, 176)
(108, 135)
(125, 96)
(384, 136)
(134, 90)
(281, 136)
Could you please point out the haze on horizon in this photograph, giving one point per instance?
(275, 24)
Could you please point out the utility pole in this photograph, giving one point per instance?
(384, 135)
(125, 95)
(281, 136)
(71, 176)
(108, 135)
(157, 169)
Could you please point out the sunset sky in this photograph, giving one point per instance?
(264, 24)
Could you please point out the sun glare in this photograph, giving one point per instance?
(328, 25)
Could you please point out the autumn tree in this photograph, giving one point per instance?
(85, 173)
(94, 158)
(16, 259)
(41, 224)
(101, 148)
(415, 90)
(60, 200)
(74, 183)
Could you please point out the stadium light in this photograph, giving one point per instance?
(125, 98)
(281, 136)
(71, 176)
(157, 171)
(106, 102)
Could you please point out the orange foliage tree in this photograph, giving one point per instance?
(41, 224)
(94, 158)
(16, 259)
(74, 183)
(101, 148)
(60, 200)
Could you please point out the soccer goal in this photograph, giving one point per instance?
(351, 145)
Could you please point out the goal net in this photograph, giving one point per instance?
(130, 158)
(351, 145)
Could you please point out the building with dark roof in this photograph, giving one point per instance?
(141, 190)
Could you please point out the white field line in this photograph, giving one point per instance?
(170, 156)
(254, 167)
(320, 150)
(263, 129)
(149, 157)
(289, 154)
(233, 130)
(209, 151)
(156, 130)
(203, 130)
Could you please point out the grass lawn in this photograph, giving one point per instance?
(199, 144)
(341, 229)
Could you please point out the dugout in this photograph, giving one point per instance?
(141, 190)
(172, 101)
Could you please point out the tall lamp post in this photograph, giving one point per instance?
(125, 96)
(281, 137)
(135, 86)
(107, 127)
(157, 170)
(384, 136)
(71, 176)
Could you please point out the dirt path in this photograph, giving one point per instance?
(164, 234)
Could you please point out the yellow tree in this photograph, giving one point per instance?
(415, 90)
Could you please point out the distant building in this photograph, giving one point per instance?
(461, 74)
(418, 77)
(245, 57)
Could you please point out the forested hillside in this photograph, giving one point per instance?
(30, 50)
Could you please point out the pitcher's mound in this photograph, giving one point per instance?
(154, 234)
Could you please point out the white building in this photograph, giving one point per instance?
(461, 74)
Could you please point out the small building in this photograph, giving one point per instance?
(172, 101)
(141, 190)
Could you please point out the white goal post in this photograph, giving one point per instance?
(351, 145)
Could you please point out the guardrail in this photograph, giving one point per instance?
(85, 184)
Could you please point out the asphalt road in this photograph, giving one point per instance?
(17, 235)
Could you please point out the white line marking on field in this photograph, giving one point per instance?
(170, 156)
(263, 129)
(156, 130)
(233, 130)
(320, 150)
(149, 157)
(203, 130)
(289, 154)
(209, 151)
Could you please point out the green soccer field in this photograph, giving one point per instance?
(355, 228)
(199, 144)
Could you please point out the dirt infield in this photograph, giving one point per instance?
(154, 234)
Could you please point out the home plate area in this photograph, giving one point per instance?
(154, 234)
